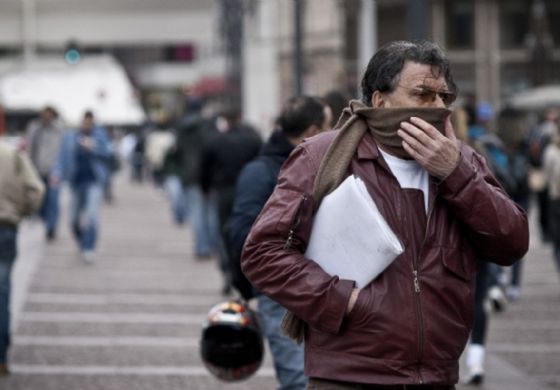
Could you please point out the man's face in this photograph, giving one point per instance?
(87, 125)
(47, 116)
(417, 87)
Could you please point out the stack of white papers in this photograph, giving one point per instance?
(350, 238)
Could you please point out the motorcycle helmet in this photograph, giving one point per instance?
(231, 344)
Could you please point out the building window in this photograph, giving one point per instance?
(459, 31)
(515, 16)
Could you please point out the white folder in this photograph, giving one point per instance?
(350, 238)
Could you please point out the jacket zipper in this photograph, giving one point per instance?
(417, 291)
(295, 224)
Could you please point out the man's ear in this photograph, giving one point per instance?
(377, 100)
(311, 131)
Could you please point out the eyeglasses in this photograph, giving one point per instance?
(428, 95)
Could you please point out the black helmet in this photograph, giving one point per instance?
(232, 345)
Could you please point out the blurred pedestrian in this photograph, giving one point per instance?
(409, 325)
(192, 131)
(488, 284)
(137, 158)
(114, 164)
(551, 164)
(83, 161)
(21, 193)
(223, 157)
(538, 139)
(43, 139)
(171, 174)
(158, 142)
(301, 117)
(512, 130)
(337, 101)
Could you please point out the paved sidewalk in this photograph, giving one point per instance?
(132, 320)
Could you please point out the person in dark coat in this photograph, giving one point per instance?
(222, 158)
(192, 132)
(301, 117)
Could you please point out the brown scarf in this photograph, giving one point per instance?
(355, 120)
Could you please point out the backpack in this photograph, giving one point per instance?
(501, 165)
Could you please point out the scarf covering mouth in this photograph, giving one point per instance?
(355, 121)
(384, 123)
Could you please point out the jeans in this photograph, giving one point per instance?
(204, 218)
(286, 353)
(84, 213)
(49, 209)
(174, 190)
(8, 241)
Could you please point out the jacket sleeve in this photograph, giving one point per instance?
(102, 149)
(61, 167)
(252, 190)
(273, 256)
(32, 186)
(494, 224)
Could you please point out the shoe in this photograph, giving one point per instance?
(474, 379)
(475, 356)
(497, 299)
(88, 256)
(4, 369)
(50, 235)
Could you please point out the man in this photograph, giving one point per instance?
(43, 139)
(223, 156)
(551, 165)
(301, 117)
(192, 132)
(410, 324)
(21, 193)
(538, 140)
(84, 162)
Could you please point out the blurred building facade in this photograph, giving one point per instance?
(497, 47)
(164, 45)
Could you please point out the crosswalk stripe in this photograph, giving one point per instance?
(103, 299)
(93, 341)
(130, 370)
(135, 318)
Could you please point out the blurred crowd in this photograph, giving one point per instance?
(209, 163)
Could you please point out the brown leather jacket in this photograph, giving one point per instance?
(409, 325)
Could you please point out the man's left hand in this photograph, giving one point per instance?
(437, 153)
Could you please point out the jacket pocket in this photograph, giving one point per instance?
(294, 216)
(362, 311)
(459, 264)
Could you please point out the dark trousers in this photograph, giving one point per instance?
(483, 277)
(324, 384)
(8, 252)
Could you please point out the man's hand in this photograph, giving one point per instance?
(88, 143)
(352, 300)
(437, 153)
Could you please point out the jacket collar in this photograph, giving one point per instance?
(367, 149)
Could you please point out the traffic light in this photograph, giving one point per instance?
(72, 53)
